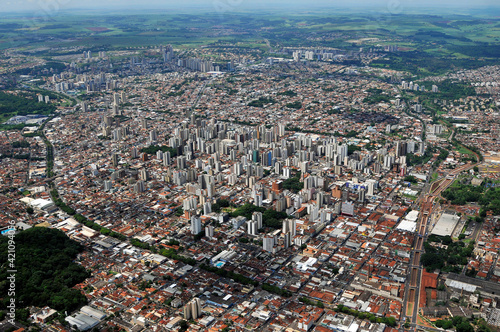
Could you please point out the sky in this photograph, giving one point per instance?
(56, 6)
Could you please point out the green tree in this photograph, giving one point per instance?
(183, 324)
(46, 271)
(465, 326)
(411, 178)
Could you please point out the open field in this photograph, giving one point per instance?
(429, 45)
(439, 35)
(409, 309)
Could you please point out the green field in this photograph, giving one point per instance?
(464, 150)
(430, 44)
(450, 35)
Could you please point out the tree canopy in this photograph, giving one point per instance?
(487, 197)
(17, 105)
(270, 218)
(46, 271)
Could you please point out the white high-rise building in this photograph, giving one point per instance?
(342, 151)
(134, 153)
(421, 148)
(187, 311)
(190, 204)
(192, 309)
(153, 135)
(289, 226)
(195, 308)
(181, 162)
(252, 227)
(437, 129)
(371, 188)
(209, 231)
(207, 208)
(195, 225)
(268, 243)
(108, 185)
(304, 166)
(139, 187)
(257, 217)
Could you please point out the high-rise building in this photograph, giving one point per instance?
(195, 225)
(207, 208)
(342, 151)
(287, 240)
(114, 159)
(134, 153)
(400, 148)
(143, 174)
(252, 227)
(117, 134)
(209, 231)
(159, 155)
(304, 166)
(153, 135)
(195, 308)
(348, 208)
(268, 243)
(371, 188)
(190, 204)
(361, 196)
(108, 120)
(257, 217)
(115, 110)
(116, 99)
(108, 185)
(187, 311)
(166, 158)
(139, 187)
(181, 162)
(289, 226)
(437, 129)
(286, 173)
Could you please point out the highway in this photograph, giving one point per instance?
(412, 290)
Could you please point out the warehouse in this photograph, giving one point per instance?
(445, 225)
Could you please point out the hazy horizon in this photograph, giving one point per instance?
(103, 6)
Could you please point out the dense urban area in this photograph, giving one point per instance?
(223, 188)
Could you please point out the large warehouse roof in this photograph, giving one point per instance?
(445, 225)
